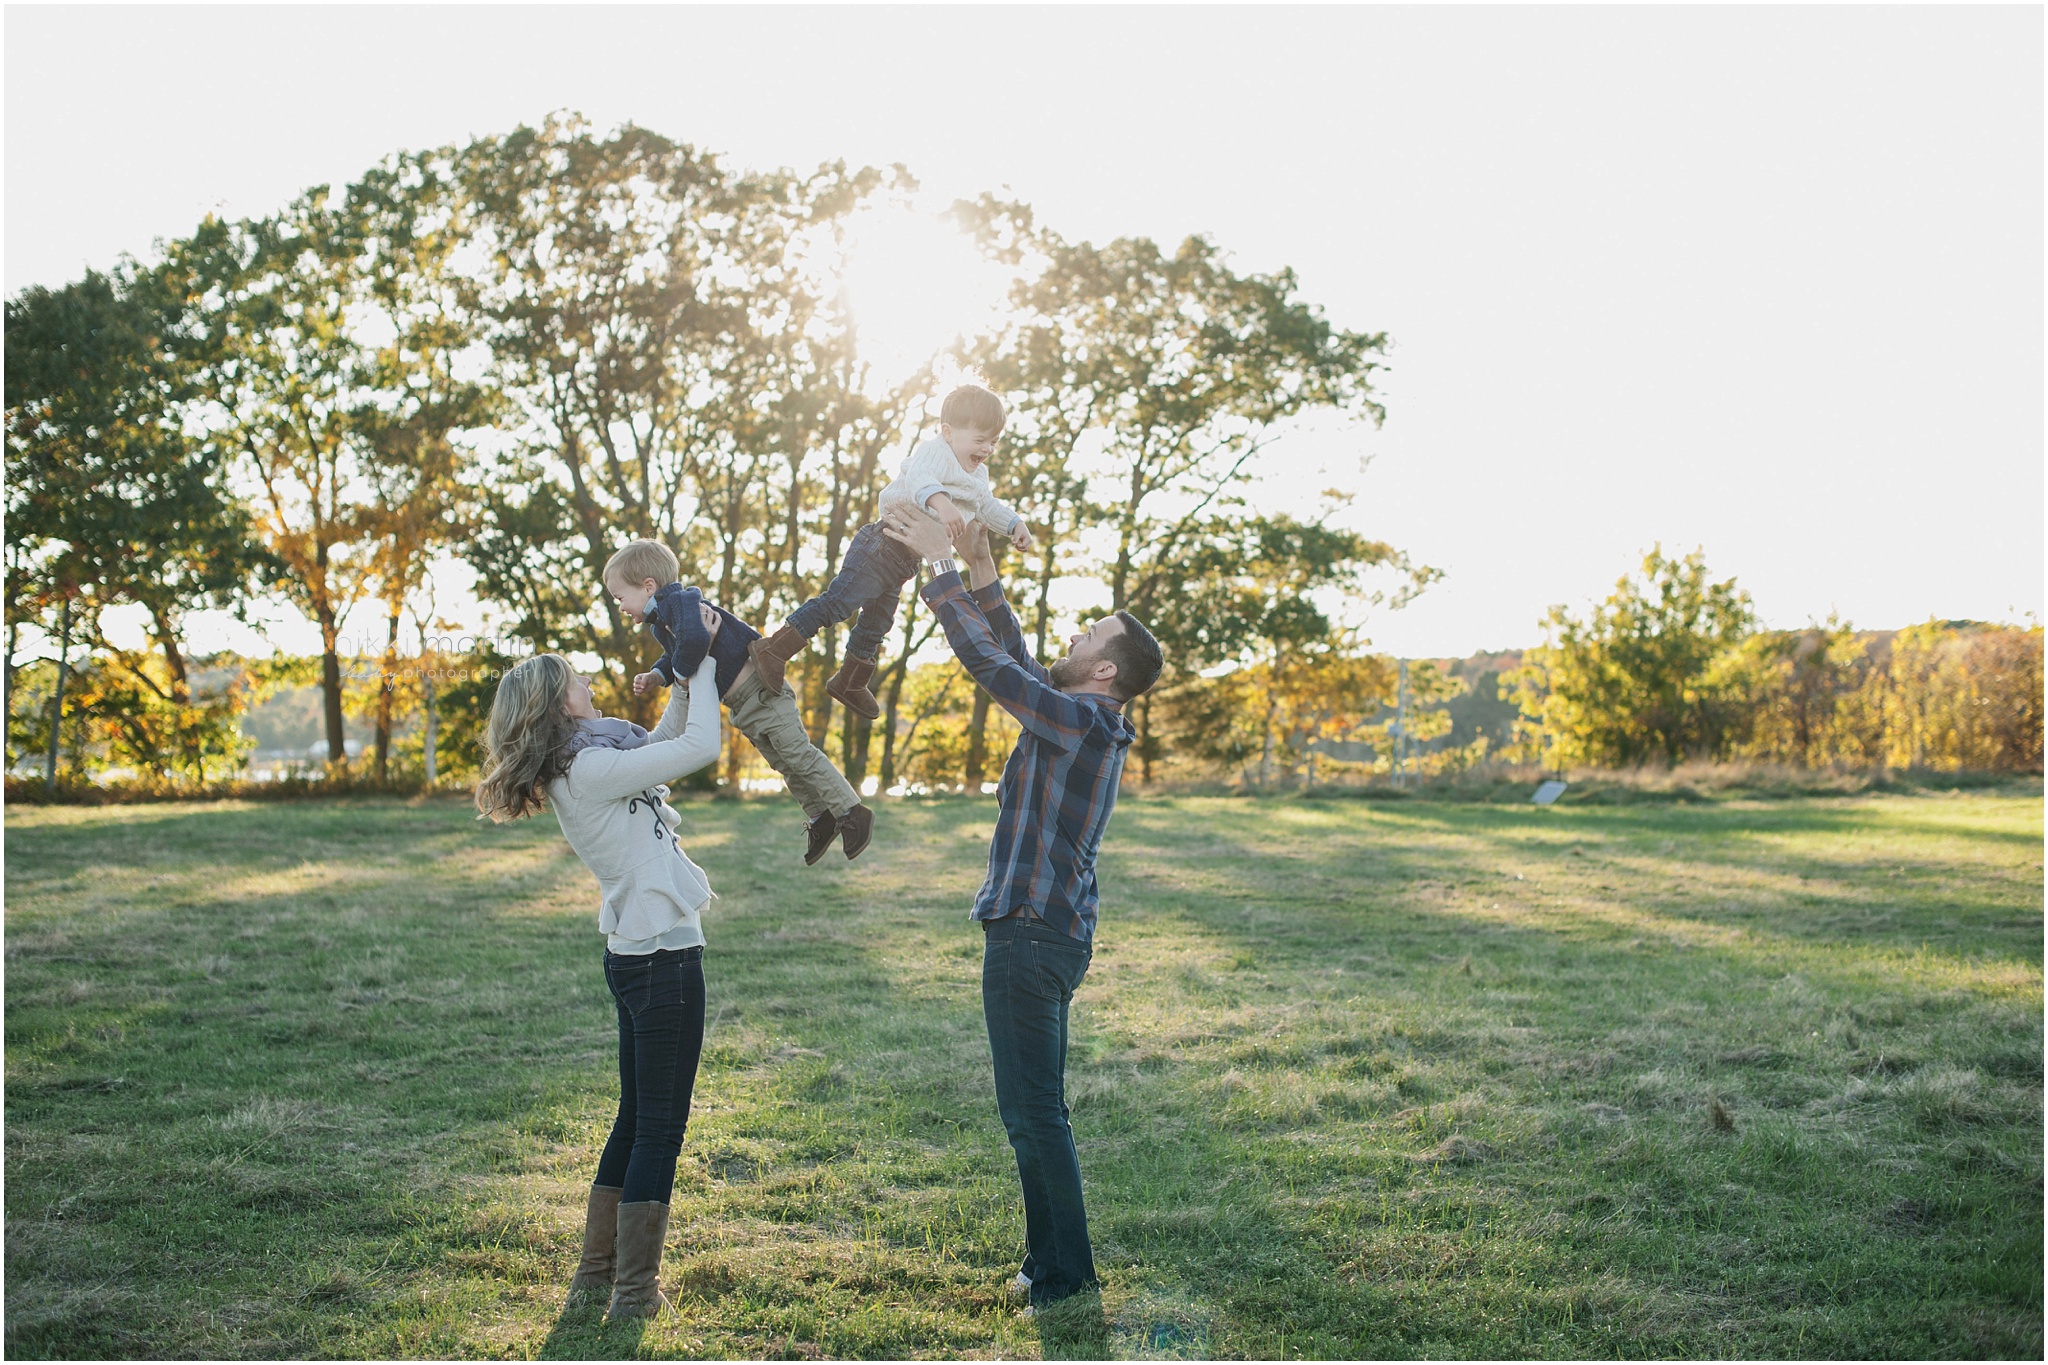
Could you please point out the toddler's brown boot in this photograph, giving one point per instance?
(819, 834)
(856, 827)
(850, 686)
(771, 654)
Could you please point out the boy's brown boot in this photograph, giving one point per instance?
(600, 1243)
(771, 654)
(820, 833)
(856, 827)
(636, 1281)
(850, 686)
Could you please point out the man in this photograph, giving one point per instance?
(1037, 908)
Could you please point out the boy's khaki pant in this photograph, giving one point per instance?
(771, 722)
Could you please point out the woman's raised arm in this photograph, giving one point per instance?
(686, 740)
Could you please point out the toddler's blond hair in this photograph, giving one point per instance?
(642, 560)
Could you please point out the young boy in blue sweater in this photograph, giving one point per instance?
(645, 580)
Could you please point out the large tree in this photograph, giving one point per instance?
(423, 395)
(1255, 597)
(1146, 383)
(650, 314)
(1633, 681)
(290, 382)
(110, 499)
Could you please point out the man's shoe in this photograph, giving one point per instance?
(1021, 1283)
(772, 653)
(821, 831)
(850, 686)
(856, 827)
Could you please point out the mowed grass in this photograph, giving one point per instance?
(1350, 1079)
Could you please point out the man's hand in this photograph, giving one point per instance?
(949, 515)
(1020, 535)
(643, 681)
(973, 546)
(925, 535)
(711, 618)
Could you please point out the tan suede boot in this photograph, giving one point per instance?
(636, 1280)
(850, 685)
(600, 1243)
(771, 654)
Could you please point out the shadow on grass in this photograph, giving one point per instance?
(581, 1333)
(1074, 1329)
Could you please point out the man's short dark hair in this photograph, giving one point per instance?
(1136, 656)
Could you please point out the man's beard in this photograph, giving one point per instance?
(1067, 671)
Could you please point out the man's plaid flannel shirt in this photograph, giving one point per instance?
(1060, 783)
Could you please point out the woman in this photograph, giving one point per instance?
(547, 745)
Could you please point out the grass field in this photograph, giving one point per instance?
(1352, 1079)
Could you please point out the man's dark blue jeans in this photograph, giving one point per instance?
(1029, 974)
(661, 1034)
(869, 584)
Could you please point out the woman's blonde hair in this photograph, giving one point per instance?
(526, 741)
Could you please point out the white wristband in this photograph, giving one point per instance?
(945, 565)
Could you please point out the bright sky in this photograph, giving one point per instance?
(1763, 280)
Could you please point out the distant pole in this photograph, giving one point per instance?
(57, 702)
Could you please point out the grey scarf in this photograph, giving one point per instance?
(605, 733)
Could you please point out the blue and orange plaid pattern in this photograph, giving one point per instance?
(1060, 784)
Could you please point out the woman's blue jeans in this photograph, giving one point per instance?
(1029, 974)
(660, 997)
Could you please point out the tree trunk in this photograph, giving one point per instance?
(817, 700)
(57, 702)
(330, 687)
(1266, 747)
(1145, 739)
(730, 738)
(427, 716)
(166, 632)
(7, 696)
(1045, 568)
(387, 685)
(854, 732)
(898, 671)
(977, 740)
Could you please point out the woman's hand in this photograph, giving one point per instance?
(711, 618)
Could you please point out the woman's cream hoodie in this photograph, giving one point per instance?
(613, 808)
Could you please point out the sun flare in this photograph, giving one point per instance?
(915, 284)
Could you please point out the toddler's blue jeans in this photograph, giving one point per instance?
(869, 585)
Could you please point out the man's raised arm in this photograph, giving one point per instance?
(1022, 691)
(1039, 707)
(988, 596)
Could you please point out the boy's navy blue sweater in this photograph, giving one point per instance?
(677, 624)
